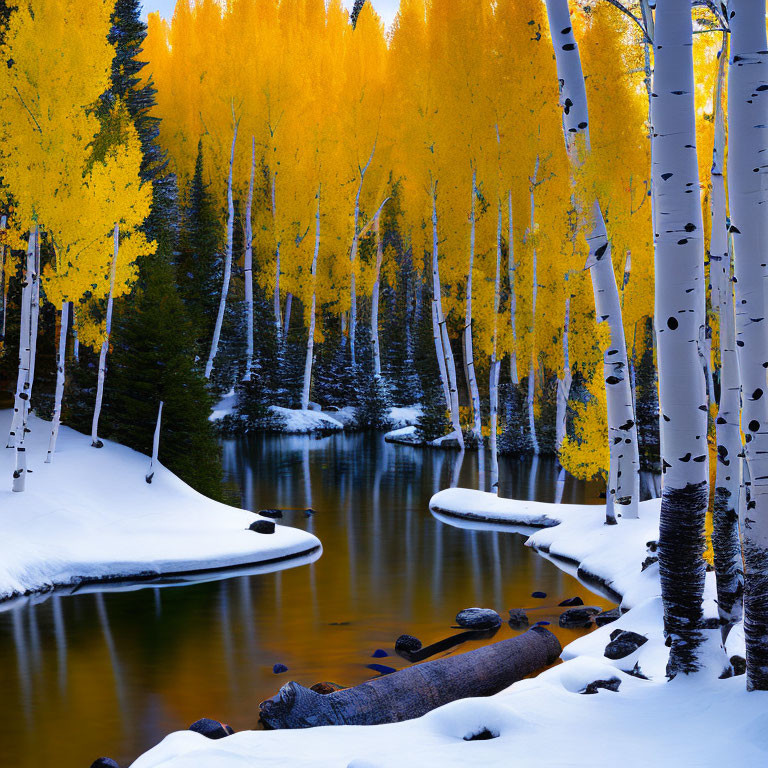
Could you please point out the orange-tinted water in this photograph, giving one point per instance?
(112, 673)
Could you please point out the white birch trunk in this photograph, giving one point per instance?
(531, 403)
(288, 308)
(155, 445)
(3, 278)
(248, 268)
(437, 298)
(353, 258)
(534, 296)
(312, 310)
(23, 381)
(227, 263)
(75, 337)
(438, 339)
(276, 295)
(624, 487)
(60, 380)
(748, 198)
(375, 299)
(95, 442)
(729, 567)
(680, 316)
(493, 388)
(511, 269)
(469, 353)
(563, 383)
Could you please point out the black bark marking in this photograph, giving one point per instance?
(672, 323)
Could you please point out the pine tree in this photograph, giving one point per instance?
(433, 421)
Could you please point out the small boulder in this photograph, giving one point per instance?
(211, 729)
(571, 601)
(262, 526)
(581, 616)
(539, 595)
(542, 624)
(623, 644)
(739, 664)
(278, 669)
(408, 644)
(478, 618)
(104, 762)
(381, 669)
(273, 513)
(379, 653)
(611, 684)
(606, 617)
(308, 512)
(518, 618)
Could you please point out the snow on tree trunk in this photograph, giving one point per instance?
(23, 381)
(747, 193)
(95, 442)
(60, 380)
(375, 299)
(623, 490)
(155, 445)
(353, 258)
(469, 353)
(312, 310)
(276, 295)
(248, 268)
(511, 268)
(227, 263)
(680, 316)
(448, 359)
(729, 568)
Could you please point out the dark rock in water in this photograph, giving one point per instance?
(339, 623)
(739, 664)
(611, 684)
(326, 688)
(211, 729)
(606, 617)
(407, 643)
(379, 653)
(478, 618)
(623, 643)
(581, 616)
(542, 624)
(262, 526)
(482, 735)
(445, 644)
(539, 595)
(278, 669)
(308, 512)
(275, 513)
(381, 669)
(104, 762)
(518, 618)
(571, 601)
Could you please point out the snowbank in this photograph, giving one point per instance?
(547, 720)
(404, 417)
(90, 516)
(404, 436)
(298, 422)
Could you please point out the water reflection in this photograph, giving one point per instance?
(112, 672)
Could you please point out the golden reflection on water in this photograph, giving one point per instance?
(112, 673)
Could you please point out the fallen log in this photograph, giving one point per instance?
(420, 654)
(413, 692)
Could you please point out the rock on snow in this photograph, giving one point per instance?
(91, 516)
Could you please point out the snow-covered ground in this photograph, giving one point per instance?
(547, 720)
(404, 436)
(90, 516)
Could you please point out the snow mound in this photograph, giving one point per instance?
(90, 516)
(404, 436)
(303, 422)
(404, 417)
(225, 407)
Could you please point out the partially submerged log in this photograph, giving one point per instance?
(413, 692)
(414, 652)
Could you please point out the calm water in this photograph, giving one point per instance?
(113, 672)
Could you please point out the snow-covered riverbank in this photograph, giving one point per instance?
(90, 516)
(548, 720)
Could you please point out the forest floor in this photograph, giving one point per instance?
(546, 720)
(90, 516)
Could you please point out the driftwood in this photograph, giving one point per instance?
(414, 691)
(420, 654)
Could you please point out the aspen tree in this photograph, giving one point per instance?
(623, 485)
(680, 312)
(748, 137)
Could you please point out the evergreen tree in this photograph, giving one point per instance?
(433, 421)
(356, 8)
